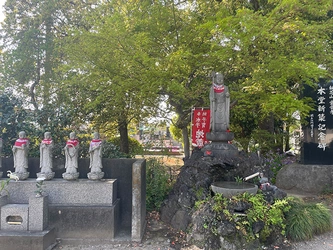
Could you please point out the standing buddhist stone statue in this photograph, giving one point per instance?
(46, 157)
(95, 151)
(71, 157)
(219, 104)
(20, 156)
(220, 137)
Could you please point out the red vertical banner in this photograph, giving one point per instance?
(200, 126)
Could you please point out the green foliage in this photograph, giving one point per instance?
(39, 187)
(238, 179)
(327, 190)
(275, 162)
(111, 150)
(135, 148)
(261, 211)
(220, 203)
(264, 141)
(124, 57)
(273, 216)
(176, 133)
(158, 184)
(305, 220)
(3, 186)
(13, 119)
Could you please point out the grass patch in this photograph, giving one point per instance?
(304, 220)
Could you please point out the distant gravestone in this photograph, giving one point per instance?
(317, 145)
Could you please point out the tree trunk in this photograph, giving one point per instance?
(186, 142)
(287, 137)
(122, 128)
(268, 124)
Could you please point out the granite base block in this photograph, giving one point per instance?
(87, 222)
(60, 191)
(14, 217)
(38, 213)
(19, 240)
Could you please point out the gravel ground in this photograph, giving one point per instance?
(321, 242)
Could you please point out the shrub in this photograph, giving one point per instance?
(304, 220)
(257, 212)
(111, 150)
(158, 184)
(135, 147)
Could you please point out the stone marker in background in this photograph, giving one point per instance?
(317, 147)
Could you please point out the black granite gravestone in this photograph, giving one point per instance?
(317, 145)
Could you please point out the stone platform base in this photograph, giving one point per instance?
(32, 240)
(220, 136)
(87, 222)
(220, 150)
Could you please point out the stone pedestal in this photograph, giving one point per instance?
(14, 217)
(28, 240)
(221, 145)
(22, 176)
(70, 176)
(38, 213)
(46, 176)
(95, 175)
(25, 217)
(25, 226)
(220, 136)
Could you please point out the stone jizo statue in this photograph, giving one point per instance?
(220, 137)
(71, 157)
(46, 159)
(219, 104)
(20, 155)
(95, 151)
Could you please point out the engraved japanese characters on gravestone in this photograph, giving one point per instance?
(20, 156)
(317, 147)
(46, 159)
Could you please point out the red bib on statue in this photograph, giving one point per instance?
(21, 141)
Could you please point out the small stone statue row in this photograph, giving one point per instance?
(20, 155)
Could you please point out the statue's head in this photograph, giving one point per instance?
(47, 135)
(219, 78)
(22, 134)
(72, 136)
(96, 135)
